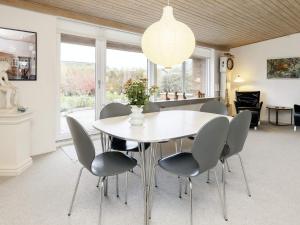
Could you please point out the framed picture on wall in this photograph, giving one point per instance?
(283, 68)
(18, 48)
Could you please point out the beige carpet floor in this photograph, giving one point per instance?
(41, 195)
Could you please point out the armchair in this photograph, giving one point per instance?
(296, 116)
(249, 101)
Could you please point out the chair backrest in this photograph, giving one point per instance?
(238, 132)
(151, 107)
(248, 98)
(214, 107)
(114, 110)
(84, 146)
(297, 109)
(209, 143)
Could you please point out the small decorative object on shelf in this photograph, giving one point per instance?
(138, 95)
(176, 96)
(184, 97)
(21, 109)
(167, 97)
(201, 95)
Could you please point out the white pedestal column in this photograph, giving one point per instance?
(15, 143)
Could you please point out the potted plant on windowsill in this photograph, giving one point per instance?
(138, 95)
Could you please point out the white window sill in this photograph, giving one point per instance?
(180, 102)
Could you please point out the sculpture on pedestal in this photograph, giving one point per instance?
(6, 87)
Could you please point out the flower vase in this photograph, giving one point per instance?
(136, 116)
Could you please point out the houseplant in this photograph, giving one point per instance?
(138, 94)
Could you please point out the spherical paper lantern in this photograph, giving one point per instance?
(168, 42)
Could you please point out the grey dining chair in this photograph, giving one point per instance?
(214, 107)
(102, 165)
(237, 135)
(151, 107)
(115, 110)
(204, 155)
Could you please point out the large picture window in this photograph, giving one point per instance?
(169, 80)
(195, 77)
(124, 62)
(122, 65)
(189, 77)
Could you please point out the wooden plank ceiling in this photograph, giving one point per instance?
(220, 23)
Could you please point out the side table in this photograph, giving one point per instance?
(278, 109)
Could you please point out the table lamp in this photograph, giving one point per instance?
(238, 80)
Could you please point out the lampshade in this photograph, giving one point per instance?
(168, 42)
(238, 79)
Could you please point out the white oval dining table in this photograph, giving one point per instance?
(157, 127)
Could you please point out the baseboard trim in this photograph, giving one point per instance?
(7, 172)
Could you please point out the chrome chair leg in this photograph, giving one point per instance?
(191, 200)
(101, 196)
(245, 177)
(185, 188)
(181, 143)
(224, 192)
(105, 188)
(98, 182)
(179, 179)
(75, 191)
(131, 155)
(126, 187)
(155, 176)
(227, 164)
(295, 128)
(208, 177)
(117, 185)
(160, 150)
(220, 195)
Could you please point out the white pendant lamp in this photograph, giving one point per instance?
(168, 42)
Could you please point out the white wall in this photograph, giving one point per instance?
(40, 95)
(251, 65)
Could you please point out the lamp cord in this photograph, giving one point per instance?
(168, 2)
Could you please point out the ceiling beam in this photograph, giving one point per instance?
(55, 11)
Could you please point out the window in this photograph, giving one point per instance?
(189, 77)
(195, 76)
(125, 61)
(169, 80)
(122, 65)
(77, 85)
